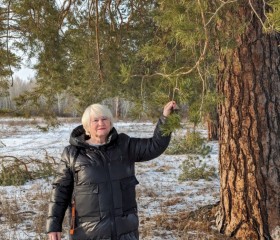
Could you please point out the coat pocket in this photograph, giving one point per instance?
(128, 193)
(87, 200)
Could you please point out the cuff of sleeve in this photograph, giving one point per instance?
(163, 118)
(53, 225)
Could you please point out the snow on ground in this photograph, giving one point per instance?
(159, 190)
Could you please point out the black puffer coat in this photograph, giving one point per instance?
(103, 184)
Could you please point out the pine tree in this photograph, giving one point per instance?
(9, 60)
(249, 123)
(174, 60)
(235, 43)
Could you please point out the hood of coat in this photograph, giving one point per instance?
(78, 137)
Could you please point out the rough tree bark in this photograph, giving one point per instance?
(249, 131)
(212, 126)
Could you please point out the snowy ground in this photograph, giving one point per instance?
(159, 190)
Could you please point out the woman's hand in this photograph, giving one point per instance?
(54, 235)
(168, 108)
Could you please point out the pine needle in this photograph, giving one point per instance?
(172, 123)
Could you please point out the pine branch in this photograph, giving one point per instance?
(172, 123)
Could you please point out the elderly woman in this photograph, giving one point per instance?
(96, 178)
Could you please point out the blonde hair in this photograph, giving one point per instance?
(95, 110)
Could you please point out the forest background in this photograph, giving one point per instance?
(218, 59)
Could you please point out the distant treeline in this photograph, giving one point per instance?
(64, 105)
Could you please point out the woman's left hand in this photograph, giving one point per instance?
(168, 108)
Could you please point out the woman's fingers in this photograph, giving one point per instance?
(168, 108)
(54, 235)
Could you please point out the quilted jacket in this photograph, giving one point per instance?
(101, 180)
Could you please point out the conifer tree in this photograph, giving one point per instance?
(237, 44)
(249, 122)
(9, 60)
(37, 32)
(174, 60)
(81, 47)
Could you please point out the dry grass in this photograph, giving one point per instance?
(8, 213)
(146, 192)
(194, 225)
(172, 202)
(29, 215)
(163, 169)
(14, 214)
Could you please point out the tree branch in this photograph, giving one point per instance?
(65, 10)
(97, 41)
(257, 15)
(218, 9)
(202, 55)
(7, 43)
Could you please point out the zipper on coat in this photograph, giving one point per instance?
(112, 209)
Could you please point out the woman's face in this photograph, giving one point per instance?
(99, 128)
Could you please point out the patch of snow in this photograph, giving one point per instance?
(159, 189)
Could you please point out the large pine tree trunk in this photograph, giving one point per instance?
(249, 135)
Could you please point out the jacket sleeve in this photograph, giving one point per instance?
(61, 194)
(144, 149)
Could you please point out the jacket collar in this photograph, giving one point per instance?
(78, 138)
